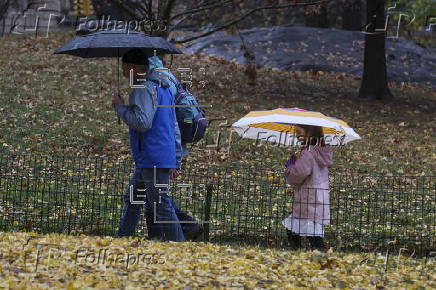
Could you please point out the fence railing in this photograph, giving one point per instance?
(243, 204)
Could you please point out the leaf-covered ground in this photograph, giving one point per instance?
(31, 261)
(60, 104)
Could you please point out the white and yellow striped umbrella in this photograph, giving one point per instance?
(278, 126)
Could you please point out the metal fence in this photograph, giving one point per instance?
(239, 204)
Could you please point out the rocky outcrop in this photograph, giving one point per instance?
(299, 48)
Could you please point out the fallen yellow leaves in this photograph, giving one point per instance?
(76, 262)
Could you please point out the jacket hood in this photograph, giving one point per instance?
(151, 60)
(159, 76)
(323, 155)
(154, 75)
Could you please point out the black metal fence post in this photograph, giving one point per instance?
(207, 206)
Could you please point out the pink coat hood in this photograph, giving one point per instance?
(322, 155)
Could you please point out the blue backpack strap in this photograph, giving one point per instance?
(180, 90)
(175, 82)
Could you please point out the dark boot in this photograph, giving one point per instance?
(317, 243)
(194, 233)
(294, 240)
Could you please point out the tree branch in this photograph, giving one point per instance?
(127, 9)
(167, 11)
(143, 9)
(202, 8)
(187, 15)
(204, 3)
(173, 27)
(242, 17)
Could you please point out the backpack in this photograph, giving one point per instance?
(190, 116)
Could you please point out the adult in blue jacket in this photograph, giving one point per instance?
(191, 228)
(156, 148)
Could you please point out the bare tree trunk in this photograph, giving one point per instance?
(4, 6)
(374, 82)
(352, 15)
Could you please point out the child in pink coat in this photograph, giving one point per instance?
(308, 172)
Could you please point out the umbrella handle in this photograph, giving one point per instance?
(119, 119)
(118, 84)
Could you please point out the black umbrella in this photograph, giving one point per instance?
(115, 43)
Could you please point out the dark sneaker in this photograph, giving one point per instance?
(194, 234)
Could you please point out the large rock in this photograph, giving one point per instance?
(297, 48)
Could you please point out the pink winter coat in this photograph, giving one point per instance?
(309, 174)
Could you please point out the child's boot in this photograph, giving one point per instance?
(317, 243)
(294, 240)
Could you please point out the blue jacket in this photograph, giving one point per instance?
(168, 74)
(156, 147)
(141, 116)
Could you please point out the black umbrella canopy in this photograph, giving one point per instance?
(115, 43)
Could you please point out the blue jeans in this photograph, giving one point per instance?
(167, 226)
(186, 221)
